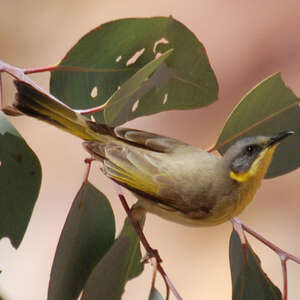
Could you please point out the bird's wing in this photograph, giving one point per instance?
(145, 172)
(148, 140)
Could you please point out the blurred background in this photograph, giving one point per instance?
(246, 41)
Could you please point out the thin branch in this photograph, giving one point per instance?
(237, 224)
(21, 74)
(154, 274)
(15, 72)
(88, 162)
(272, 246)
(40, 70)
(91, 110)
(283, 255)
(283, 260)
(150, 251)
(1, 94)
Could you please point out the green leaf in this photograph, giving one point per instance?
(87, 235)
(121, 102)
(20, 180)
(104, 60)
(249, 281)
(120, 264)
(155, 295)
(270, 108)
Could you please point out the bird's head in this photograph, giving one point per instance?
(250, 157)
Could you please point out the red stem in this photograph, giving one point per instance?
(283, 260)
(1, 94)
(283, 255)
(91, 110)
(88, 162)
(150, 251)
(211, 149)
(272, 246)
(40, 70)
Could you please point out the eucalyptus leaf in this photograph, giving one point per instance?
(270, 108)
(120, 105)
(20, 180)
(87, 235)
(155, 295)
(121, 263)
(249, 281)
(105, 58)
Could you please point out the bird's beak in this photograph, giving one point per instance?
(279, 137)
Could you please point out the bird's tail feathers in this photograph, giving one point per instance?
(39, 105)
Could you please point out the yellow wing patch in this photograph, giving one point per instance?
(132, 178)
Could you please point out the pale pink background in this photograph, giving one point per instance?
(246, 42)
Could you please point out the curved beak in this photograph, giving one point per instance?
(279, 137)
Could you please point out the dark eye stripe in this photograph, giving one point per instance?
(250, 149)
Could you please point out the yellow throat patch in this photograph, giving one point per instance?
(258, 168)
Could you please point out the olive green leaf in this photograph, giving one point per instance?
(105, 58)
(121, 263)
(119, 106)
(87, 235)
(270, 108)
(249, 281)
(20, 180)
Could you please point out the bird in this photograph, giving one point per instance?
(174, 180)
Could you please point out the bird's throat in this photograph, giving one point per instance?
(258, 168)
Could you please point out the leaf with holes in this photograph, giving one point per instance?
(87, 235)
(122, 102)
(249, 281)
(105, 58)
(20, 180)
(268, 109)
(120, 264)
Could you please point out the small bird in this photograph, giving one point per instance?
(174, 180)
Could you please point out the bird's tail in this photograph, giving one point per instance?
(35, 103)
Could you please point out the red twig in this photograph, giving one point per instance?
(150, 251)
(211, 149)
(88, 162)
(40, 70)
(1, 95)
(16, 72)
(21, 74)
(154, 274)
(272, 246)
(283, 255)
(283, 260)
(91, 110)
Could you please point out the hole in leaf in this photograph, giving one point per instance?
(161, 41)
(118, 58)
(118, 87)
(165, 98)
(135, 105)
(135, 57)
(94, 92)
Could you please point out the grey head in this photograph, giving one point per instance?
(241, 155)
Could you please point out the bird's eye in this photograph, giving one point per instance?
(250, 149)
